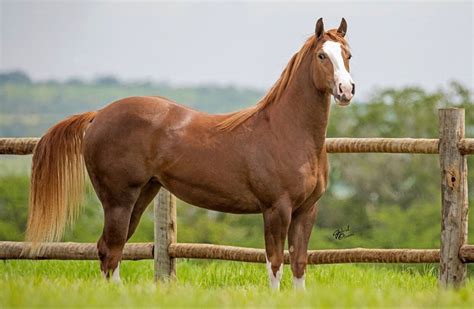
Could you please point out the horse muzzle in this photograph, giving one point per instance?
(343, 92)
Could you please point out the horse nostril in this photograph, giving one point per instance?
(353, 88)
(340, 87)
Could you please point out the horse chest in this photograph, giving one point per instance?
(310, 184)
(302, 179)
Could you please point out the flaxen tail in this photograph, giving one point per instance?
(57, 179)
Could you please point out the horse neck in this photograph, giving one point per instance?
(302, 111)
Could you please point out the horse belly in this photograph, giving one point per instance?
(209, 187)
(212, 199)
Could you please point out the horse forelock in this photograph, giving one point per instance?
(333, 35)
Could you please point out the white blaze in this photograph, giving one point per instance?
(334, 51)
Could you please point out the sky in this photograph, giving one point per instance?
(247, 44)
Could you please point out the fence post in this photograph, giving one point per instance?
(452, 270)
(165, 234)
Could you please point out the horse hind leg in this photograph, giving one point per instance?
(112, 241)
(118, 207)
(120, 222)
(147, 194)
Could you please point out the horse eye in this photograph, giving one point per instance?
(349, 57)
(322, 56)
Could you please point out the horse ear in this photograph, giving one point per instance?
(319, 28)
(342, 27)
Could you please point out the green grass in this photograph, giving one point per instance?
(11, 165)
(228, 284)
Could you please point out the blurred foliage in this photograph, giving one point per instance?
(387, 200)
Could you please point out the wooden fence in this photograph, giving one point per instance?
(453, 255)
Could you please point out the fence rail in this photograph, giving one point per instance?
(145, 251)
(453, 255)
(26, 145)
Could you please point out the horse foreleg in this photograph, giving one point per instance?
(299, 233)
(276, 222)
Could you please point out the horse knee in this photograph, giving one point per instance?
(298, 268)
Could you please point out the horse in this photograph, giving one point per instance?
(269, 158)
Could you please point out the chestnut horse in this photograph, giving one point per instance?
(269, 158)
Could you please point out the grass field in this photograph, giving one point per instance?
(228, 284)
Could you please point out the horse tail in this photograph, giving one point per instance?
(57, 179)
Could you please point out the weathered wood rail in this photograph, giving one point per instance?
(26, 145)
(453, 255)
(144, 251)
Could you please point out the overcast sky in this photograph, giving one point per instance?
(240, 43)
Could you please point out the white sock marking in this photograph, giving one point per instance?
(274, 280)
(299, 283)
(116, 274)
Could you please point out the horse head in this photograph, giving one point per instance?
(330, 63)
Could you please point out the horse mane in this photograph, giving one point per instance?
(239, 117)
